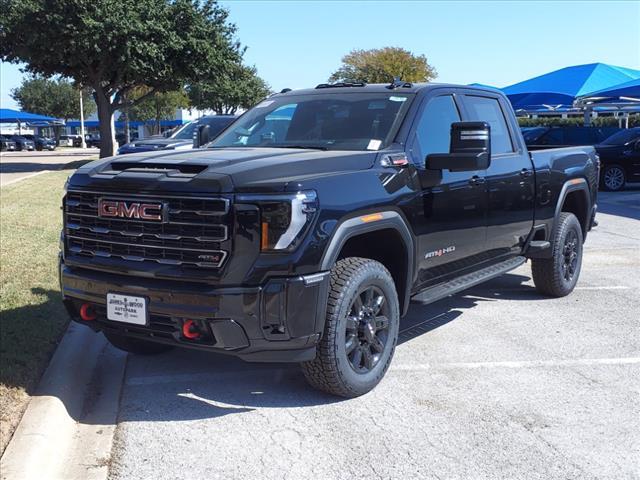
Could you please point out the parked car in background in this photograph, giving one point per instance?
(42, 143)
(23, 143)
(620, 159)
(66, 140)
(181, 139)
(6, 144)
(538, 138)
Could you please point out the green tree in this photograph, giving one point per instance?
(381, 65)
(114, 46)
(157, 107)
(56, 97)
(239, 87)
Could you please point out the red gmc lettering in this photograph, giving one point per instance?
(142, 211)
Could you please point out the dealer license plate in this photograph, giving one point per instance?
(127, 309)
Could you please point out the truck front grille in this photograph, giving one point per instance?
(191, 232)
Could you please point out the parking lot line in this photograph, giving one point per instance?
(522, 364)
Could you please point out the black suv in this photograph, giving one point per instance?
(42, 143)
(23, 143)
(6, 143)
(620, 157)
(303, 231)
(538, 138)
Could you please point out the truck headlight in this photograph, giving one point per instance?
(283, 218)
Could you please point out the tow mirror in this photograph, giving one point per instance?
(201, 136)
(470, 149)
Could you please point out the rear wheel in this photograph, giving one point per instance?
(557, 276)
(613, 178)
(361, 329)
(135, 345)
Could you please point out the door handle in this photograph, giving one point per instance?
(476, 180)
(525, 172)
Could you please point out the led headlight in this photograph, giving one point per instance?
(283, 218)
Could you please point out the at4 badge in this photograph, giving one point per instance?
(440, 252)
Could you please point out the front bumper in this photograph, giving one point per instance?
(279, 321)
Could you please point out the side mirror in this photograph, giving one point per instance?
(636, 146)
(470, 149)
(201, 136)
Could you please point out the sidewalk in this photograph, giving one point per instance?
(15, 166)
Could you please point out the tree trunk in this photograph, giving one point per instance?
(125, 111)
(107, 125)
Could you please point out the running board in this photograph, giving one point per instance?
(464, 282)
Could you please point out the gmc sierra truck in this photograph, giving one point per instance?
(303, 232)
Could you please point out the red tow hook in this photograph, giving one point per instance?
(190, 330)
(87, 312)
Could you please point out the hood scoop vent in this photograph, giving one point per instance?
(169, 169)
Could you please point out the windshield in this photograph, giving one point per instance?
(185, 132)
(331, 121)
(625, 136)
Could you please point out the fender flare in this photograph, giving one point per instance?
(575, 184)
(389, 219)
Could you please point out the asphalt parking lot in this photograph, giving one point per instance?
(497, 383)
(15, 166)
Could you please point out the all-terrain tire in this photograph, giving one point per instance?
(557, 276)
(135, 345)
(332, 370)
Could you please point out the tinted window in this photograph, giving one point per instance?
(488, 110)
(581, 136)
(332, 121)
(555, 136)
(433, 133)
(623, 137)
(216, 124)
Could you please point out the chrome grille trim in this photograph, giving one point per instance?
(125, 196)
(109, 242)
(164, 261)
(161, 236)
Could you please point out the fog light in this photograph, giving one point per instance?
(190, 330)
(87, 312)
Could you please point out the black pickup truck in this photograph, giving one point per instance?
(303, 232)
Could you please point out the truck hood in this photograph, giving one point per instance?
(214, 170)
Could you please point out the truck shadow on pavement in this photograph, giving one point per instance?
(185, 385)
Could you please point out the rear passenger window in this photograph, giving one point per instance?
(485, 109)
(433, 133)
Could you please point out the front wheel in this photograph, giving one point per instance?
(361, 329)
(557, 276)
(613, 178)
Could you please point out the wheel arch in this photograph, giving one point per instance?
(574, 198)
(379, 235)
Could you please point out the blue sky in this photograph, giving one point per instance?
(299, 44)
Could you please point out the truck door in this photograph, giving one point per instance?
(449, 217)
(510, 177)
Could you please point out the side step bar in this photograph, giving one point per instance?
(459, 284)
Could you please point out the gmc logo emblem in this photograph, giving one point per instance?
(135, 210)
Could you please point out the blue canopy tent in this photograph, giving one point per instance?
(562, 87)
(8, 115)
(629, 89)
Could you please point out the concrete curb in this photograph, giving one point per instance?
(67, 430)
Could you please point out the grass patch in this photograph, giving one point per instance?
(32, 317)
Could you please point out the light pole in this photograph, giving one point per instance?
(83, 144)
